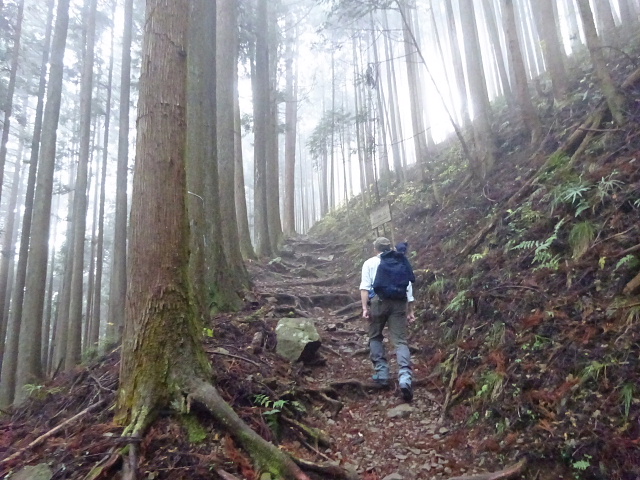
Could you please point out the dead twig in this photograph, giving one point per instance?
(452, 379)
(226, 354)
(51, 432)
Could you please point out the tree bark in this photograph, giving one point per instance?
(615, 99)
(484, 138)
(31, 320)
(226, 24)
(209, 267)
(415, 93)
(118, 279)
(8, 107)
(291, 119)
(160, 312)
(520, 85)
(80, 201)
(21, 268)
(552, 48)
(260, 119)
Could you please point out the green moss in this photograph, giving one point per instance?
(195, 430)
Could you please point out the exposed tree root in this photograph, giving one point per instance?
(266, 456)
(509, 472)
(322, 282)
(347, 309)
(226, 475)
(105, 468)
(317, 436)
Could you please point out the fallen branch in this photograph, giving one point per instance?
(226, 354)
(452, 379)
(51, 432)
(632, 286)
(318, 437)
(509, 472)
(635, 248)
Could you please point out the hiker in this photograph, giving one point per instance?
(387, 299)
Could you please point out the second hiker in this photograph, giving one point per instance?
(387, 299)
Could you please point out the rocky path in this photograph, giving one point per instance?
(375, 433)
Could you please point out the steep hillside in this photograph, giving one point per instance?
(528, 288)
(525, 349)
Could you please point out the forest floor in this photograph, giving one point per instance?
(526, 343)
(371, 432)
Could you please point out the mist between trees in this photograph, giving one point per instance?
(288, 110)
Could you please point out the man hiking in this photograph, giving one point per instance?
(387, 299)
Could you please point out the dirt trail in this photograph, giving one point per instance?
(375, 433)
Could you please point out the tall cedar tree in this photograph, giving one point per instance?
(160, 313)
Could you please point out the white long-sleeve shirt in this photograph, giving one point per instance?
(369, 269)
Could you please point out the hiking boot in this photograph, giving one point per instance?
(380, 381)
(407, 392)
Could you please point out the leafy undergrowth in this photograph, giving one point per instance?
(528, 343)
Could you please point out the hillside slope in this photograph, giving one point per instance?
(528, 289)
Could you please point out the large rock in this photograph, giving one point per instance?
(298, 339)
(34, 472)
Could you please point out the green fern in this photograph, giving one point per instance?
(459, 303)
(542, 256)
(437, 287)
(626, 394)
(580, 238)
(607, 185)
(572, 193)
(630, 260)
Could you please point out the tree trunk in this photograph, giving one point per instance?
(8, 107)
(8, 240)
(552, 48)
(460, 87)
(79, 219)
(520, 85)
(484, 139)
(415, 93)
(605, 22)
(273, 122)
(291, 119)
(397, 146)
(226, 24)
(615, 99)
(96, 317)
(261, 119)
(31, 320)
(159, 309)
(20, 275)
(118, 278)
(244, 233)
(209, 267)
(494, 35)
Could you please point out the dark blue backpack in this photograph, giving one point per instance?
(393, 276)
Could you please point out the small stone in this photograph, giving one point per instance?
(443, 430)
(394, 476)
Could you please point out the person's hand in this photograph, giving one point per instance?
(365, 313)
(411, 317)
